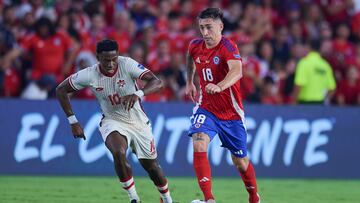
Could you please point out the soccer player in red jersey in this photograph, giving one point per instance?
(219, 110)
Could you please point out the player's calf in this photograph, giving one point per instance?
(254, 198)
(248, 176)
(165, 193)
(158, 178)
(129, 186)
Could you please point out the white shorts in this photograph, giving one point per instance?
(139, 136)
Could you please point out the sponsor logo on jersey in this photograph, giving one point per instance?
(40, 44)
(216, 60)
(197, 60)
(237, 56)
(140, 66)
(121, 83)
(98, 89)
(57, 42)
(197, 125)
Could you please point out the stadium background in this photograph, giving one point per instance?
(286, 140)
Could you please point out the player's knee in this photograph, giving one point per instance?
(119, 154)
(153, 167)
(200, 142)
(241, 163)
(200, 146)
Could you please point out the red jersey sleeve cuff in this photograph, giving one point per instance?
(143, 73)
(72, 84)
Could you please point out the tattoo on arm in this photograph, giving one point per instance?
(190, 67)
(199, 138)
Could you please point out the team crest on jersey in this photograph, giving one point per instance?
(121, 83)
(140, 66)
(216, 60)
(197, 125)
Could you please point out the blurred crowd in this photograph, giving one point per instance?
(44, 41)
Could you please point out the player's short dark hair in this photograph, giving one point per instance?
(106, 45)
(44, 22)
(214, 13)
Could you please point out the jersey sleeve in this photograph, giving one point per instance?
(230, 50)
(191, 48)
(193, 43)
(80, 79)
(135, 69)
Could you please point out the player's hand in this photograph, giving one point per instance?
(77, 131)
(212, 88)
(191, 91)
(129, 100)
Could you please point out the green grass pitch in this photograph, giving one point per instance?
(69, 189)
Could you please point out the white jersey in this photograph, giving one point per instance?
(109, 89)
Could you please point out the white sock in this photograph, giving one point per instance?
(165, 193)
(129, 186)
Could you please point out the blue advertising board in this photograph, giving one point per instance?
(283, 141)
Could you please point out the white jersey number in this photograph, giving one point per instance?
(199, 119)
(207, 74)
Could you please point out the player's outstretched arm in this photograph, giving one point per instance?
(153, 84)
(190, 87)
(62, 91)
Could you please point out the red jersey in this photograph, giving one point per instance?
(49, 53)
(350, 92)
(211, 66)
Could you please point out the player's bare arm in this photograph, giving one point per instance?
(234, 74)
(62, 91)
(153, 84)
(190, 87)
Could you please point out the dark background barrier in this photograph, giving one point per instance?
(286, 141)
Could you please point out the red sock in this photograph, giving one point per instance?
(203, 173)
(249, 179)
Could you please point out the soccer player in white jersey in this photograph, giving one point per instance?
(124, 123)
